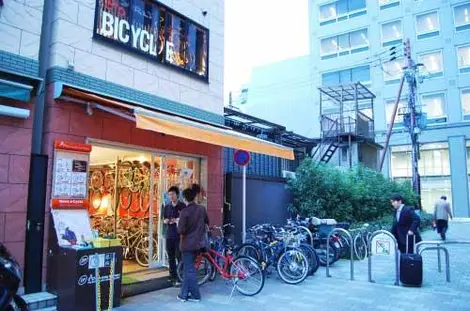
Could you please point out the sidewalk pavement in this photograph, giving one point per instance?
(339, 293)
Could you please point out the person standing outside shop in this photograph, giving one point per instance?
(442, 214)
(405, 224)
(171, 213)
(192, 227)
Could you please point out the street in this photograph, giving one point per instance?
(338, 292)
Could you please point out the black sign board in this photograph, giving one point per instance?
(154, 30)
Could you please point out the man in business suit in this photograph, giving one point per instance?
(405, 224)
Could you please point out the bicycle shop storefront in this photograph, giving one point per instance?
(135, 154)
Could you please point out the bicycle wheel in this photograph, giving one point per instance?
(142, 249)
(249, 279)
(309, 252)
(345, 247)
(292, 266)
(360, 248)
(249, 250)
(321, 251)
(203, 269)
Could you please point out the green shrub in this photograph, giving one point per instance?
(357, 195)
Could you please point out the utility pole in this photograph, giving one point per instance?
(413, 126)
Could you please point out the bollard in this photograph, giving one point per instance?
(351, 260)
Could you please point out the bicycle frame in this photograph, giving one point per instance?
(223, 271)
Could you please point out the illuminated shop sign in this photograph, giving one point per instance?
(155, 31)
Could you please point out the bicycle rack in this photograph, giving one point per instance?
(351, 260)
(446, 252)
(309, 234)
(397, 258)
(438, 247)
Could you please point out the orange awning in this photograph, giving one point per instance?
(180, 127)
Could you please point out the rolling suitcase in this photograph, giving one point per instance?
(411, 267)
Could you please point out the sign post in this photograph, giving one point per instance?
(242, 158)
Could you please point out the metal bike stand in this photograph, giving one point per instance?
(446, 253)
(351, 260)
(397, 258)
(309, 234)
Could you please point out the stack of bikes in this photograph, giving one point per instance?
(295, 251)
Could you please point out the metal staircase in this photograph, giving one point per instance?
(322, 155)
(330, 151)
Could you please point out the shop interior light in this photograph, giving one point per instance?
(142, 159)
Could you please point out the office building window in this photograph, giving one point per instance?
(357, 74)
(389, 105)
(462, 17)
(392, 33)
(433, 63)
(393, 71)
(344, 44)
(463, 55)
(465, 100)
(434, 106)
(386, 4)
(341, 10)
(427, 25)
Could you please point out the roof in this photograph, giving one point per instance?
(254, 126)
(347, 92)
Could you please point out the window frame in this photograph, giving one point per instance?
(427, 34)
(340, 17)
(440, 119)
(438, 74)
(395, 41)
(389, 4)
(462, 69)
(344, 52)
(396, 124)
(365, 83)
(392, 80)
(466, 27)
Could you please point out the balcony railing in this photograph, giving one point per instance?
(362, 125)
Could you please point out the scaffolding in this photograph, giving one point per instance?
(346, 116)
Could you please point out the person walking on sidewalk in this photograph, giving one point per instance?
(442, 214)
(405, 223)
(171, 213)
(192, 228)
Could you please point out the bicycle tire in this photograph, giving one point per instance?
(207, 270)
(309, 252)
(249, 250)
(144, 260)
(255, 266)
(360, 249)
(304, 262)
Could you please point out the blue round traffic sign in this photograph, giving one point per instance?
(241, 157)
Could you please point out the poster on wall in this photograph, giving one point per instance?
(70, 175)
(72, 226)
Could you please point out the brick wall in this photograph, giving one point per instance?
(118, 65)
(70, 122)
(15, 150)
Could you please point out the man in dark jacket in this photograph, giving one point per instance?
(192, 227)
(405, 224)
(171, 213)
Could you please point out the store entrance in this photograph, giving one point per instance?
(127, 192)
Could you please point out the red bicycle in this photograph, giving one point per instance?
(246, 274)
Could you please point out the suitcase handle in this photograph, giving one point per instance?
(407, 238)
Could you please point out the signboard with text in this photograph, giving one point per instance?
(155, 31)
(70, 175)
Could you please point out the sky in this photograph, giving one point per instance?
(259, 32)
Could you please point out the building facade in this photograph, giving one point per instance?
(354, 41)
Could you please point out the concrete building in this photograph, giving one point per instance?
(350, 42)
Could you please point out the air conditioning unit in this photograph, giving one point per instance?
(288, 174)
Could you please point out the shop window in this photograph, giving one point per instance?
(392, 33)
(462, 17)
(463, 56)
(393, 71)
(345, 44)
(341, 10)
(465, 100)
(433, 63)
(427, 25)
(386, 4)
(434, 106)
(127, 189)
